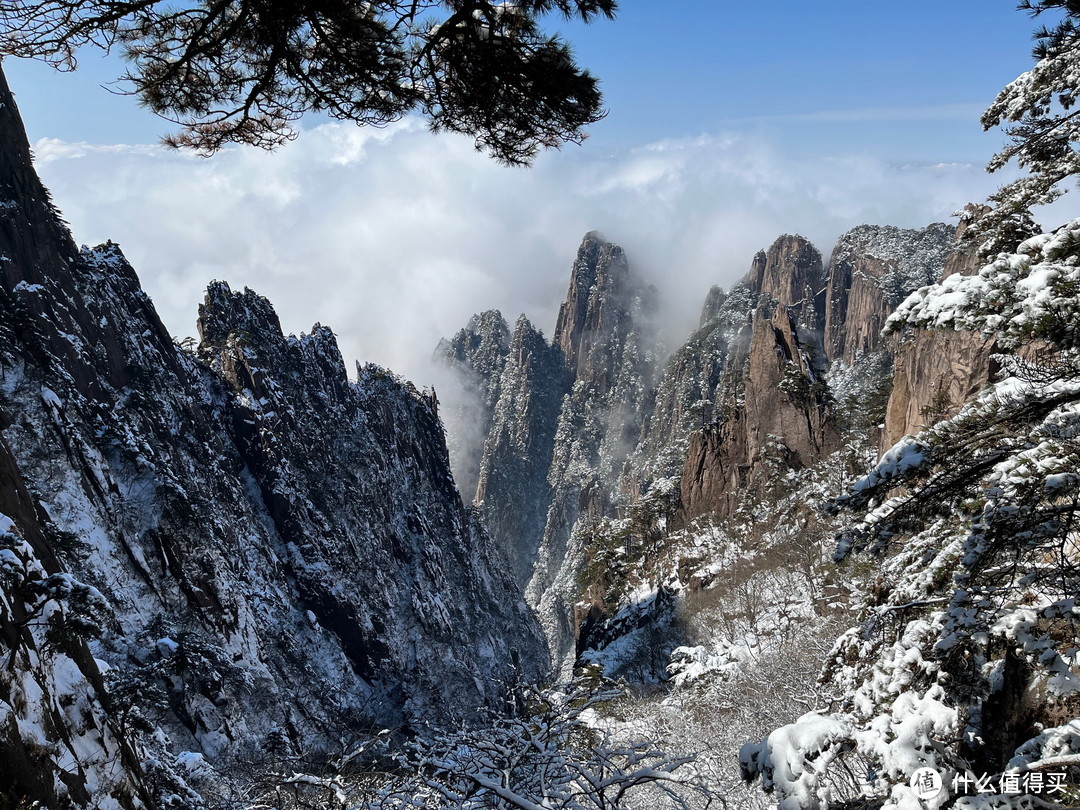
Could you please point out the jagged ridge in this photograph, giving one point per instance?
(242, 555)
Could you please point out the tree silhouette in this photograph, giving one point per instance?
(246, 70)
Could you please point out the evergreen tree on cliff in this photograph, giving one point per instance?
(246, 70)
(967, 658)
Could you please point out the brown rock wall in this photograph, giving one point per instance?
(872, 268)
(855, 308)
(791, 272)
(934, 374)
(781, 419)
(936, 371)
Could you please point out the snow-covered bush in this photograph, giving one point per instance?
(552, 753)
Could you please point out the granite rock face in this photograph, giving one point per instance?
(790, 273)
(621, 425)
(871, 270)
(706, 377)
(566, 418)
(935, 371)
(604, 334)
(236, 554)
(513, 493)
(781, 366)
(768, 407)
(476, 356)
(782, 422)
(711, 308)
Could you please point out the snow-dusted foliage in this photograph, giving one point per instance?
(861, 390)
(554, 753)
(1022, 296)
(1038, 110)
(970, 640)
(557, 754)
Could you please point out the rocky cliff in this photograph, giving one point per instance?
(567, 416)
(476, 355)
(513, 493)
(783, 366)
(213, 563)
(692, 382)
(768, 411)
(790, 273)
(871, 270)
(935, 372)
(604, 334)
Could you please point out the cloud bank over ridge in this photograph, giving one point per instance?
(394, 238)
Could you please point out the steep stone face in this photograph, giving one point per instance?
(58, 745)
(268, 556)
(871, 270)
(513, 492)
(567, 417)
(790, 272)
(935, 372)
(779, 421)
(695, 382)
(35, 241)
(603, 332)
(711, 308)
(476, 356)
(378, 501)
(578, 497)
(603, 306)
(711, 376)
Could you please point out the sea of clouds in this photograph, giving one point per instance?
(394, 237)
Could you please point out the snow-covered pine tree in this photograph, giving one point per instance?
(1043, 123)
(967, 659)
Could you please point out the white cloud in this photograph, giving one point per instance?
(394, 237)
(900, 113)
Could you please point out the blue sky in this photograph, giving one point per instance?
(897, 79)
(900, 80)
(729, 123)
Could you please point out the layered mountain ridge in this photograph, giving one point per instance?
(216, 561)
(779, 367)
(219, 561)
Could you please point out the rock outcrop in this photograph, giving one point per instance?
(770, 410)
(706, 377)
(239, 557)
(790, 273)
(751, 396)
(513, 493)
(711, 308)
(935, 371)
(567, 416)
(476, 355)
(604, 332)
(871, 270)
